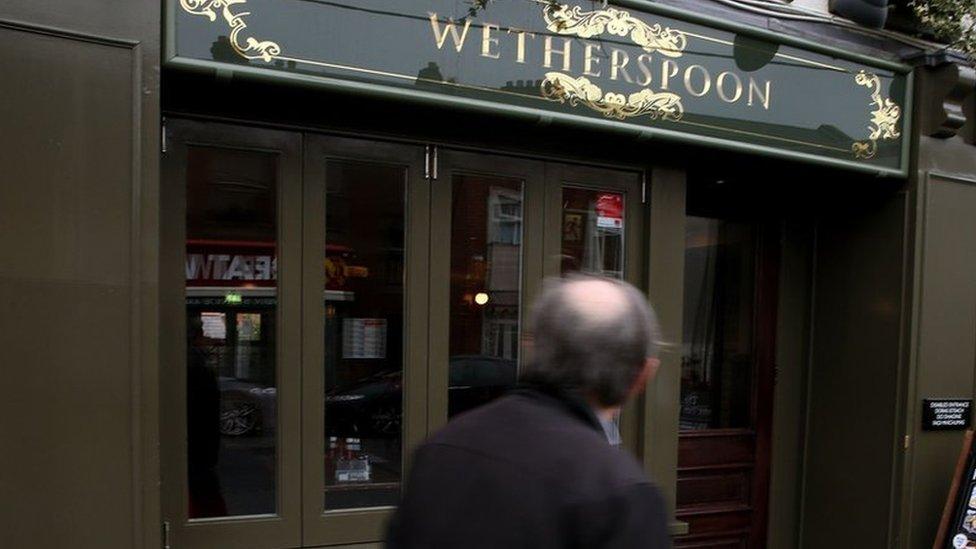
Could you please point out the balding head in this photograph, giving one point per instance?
(591, 336)
(595, 301)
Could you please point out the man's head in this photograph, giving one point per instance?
(594, 336)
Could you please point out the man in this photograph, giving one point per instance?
(535, 468)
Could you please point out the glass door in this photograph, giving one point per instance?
(230, 286)
(364, 331)
(486, 264)
(498, 226)
(335, 300)
(595, 225)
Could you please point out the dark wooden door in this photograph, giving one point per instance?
(727, 380)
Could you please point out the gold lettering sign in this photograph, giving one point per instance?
(623, 65)
(562, 19)
(563, 87)
(246, 46)
(884, 118)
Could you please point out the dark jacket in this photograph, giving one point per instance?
(534, 470)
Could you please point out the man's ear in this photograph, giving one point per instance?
(647, 373)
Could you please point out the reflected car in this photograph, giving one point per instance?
(373, 406)
(246, 408)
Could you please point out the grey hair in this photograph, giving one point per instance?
(592, 345)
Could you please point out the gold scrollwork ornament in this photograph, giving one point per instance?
(884, 117)
(250, 47)
(563, 19)
(563, 88)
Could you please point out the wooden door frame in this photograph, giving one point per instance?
(767, 315)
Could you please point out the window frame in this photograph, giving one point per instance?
(346, 526)
(301, 213)
(636, 254)
(457, 162)
(281, 529)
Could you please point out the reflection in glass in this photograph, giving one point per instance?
(716, 369)
(230, 319)
(363, 298)
(593, 232)
(486, 244)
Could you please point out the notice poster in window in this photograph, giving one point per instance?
(364, 338)
(610, 211)
(248, 327)
(214, 325)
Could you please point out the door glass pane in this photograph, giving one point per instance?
(231, 323)
(717, 363)
(363, 296)
(486, 278)
(593, 232)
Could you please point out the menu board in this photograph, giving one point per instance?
(364, 338)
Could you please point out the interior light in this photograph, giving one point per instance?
(481, 298)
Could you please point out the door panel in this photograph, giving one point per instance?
(486, 264)
(365, 252)
(595, 225)
(713, 486)
(230, 405)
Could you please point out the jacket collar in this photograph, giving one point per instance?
(569, 401)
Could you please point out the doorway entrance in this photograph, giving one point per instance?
(337, 299)
(727, 377)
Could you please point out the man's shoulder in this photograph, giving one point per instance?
(514, 418)
(519, 432)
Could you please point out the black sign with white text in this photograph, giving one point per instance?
(943, 414)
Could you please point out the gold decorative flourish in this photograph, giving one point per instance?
(562, 88)
(250, 47)
(884, 118)
(563, 19)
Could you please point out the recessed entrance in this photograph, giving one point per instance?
(727, 376)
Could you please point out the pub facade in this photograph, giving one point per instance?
(260, 249)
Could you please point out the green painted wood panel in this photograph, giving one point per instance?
(946, 339)
(856, 360)
(78, 229)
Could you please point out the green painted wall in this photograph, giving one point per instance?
(78, 149)
(943, 342)
(850, 447)
(789, 399)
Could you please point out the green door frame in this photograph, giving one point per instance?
(281, 529)
(665, 282)
(450, 163)
(629, 183)
(322, 527)
(654, 247)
